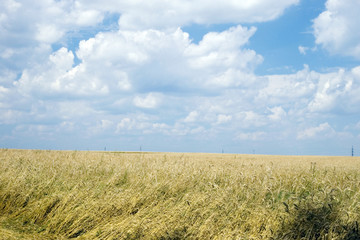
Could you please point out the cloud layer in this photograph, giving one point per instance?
(127, 73)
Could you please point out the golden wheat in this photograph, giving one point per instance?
(113, 195)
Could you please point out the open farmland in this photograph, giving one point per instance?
(113, 195)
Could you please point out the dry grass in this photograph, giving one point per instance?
(110, 195)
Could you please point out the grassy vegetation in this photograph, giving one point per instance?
(110, 195)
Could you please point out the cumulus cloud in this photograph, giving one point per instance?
(303, 50)
(336, 29)
(277, 113)
(253, 136)
(288, 88)
(331, 92)
(151, 100)
(251, 119)
(29, 30)
(125, 123)
(7, 77)
(336, 92)
(164, 58)
(48, 33)
(323, 130)
(222, 118)
(58, 76)
(160, 14)
(192, 117)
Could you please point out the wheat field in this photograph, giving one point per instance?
(119, 195)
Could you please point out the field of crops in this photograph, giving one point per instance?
(112, 195)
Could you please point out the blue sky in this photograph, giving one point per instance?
(265, 77)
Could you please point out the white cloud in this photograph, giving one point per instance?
(222, 118)
(11, 5)
(232, 78)
(288, 87)
(164, 58)
(160, 14)
(10, 116)
(105, 124)
(253, 136)
(28, 29)
(162, 127)
(251, 119)
(3, 90)
(48, 33)
(121, 48)
(87, 17)
(7, 77)
(223, 57)
(277, 113)
(219, 50)
(58, 77)
(192, 117)
(123, 80)
(63, 59)
(309, 91)
(336, 29)
(151, 100)
(323, 130)
(334, 91)
(65, 110)
(181, 129)
(7, 53)
(126, 124)
(197, 130)
(303, 50)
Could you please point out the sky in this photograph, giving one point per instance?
(251, 76)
